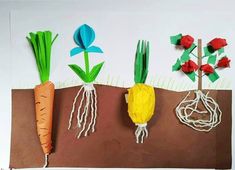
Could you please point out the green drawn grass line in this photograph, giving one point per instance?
(156, 81)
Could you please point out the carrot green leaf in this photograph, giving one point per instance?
(41, 43)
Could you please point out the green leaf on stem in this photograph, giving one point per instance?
(208, 50)
(220, 51)
(213, 77)
(211, 59)
(176, 39)
(186, 54)
(95, 71)
(177, 65)
(192, 76)
(185, 57)
(80, 72)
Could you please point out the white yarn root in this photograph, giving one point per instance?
(141, 132)
(46, 161)
(89, 101)
(187, 108)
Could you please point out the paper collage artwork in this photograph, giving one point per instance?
(83, 37)
(100, 125)
(41, 44)
(213, 51)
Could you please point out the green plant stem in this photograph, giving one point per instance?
(86, 58)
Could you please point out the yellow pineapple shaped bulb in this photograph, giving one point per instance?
(141, 97)
(141, 104)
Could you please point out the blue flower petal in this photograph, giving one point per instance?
(94, 49)
(77, 38)
(87, 35)
(75, 51)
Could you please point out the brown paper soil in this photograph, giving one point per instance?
(170, 144)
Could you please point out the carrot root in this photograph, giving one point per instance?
(89, 100)
(44, 98)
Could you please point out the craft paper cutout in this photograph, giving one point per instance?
(141, 97)
(41, 43)
(84, 37)
(214, 52)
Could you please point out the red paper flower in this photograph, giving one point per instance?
(206, 68)
(189, 66)
(186, 41)
(217, 43)
(224, 62)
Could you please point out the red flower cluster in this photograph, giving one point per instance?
(189, 66)
(206, 68)
(186, 41)
(218, 43)
(224, 62)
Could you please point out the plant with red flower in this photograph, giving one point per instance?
(218, 43)
(212, 51)
(188, 106)
(189, 66)
(224, 62)
(186, 41)
(207, 68)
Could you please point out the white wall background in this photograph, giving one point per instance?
(118, 26)
(117, 33)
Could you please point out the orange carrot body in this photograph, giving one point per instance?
(44, 98)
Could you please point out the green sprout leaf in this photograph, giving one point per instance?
(176, 39)
(186, 54)
(213, 77)
(220, 51)
(79, 72)
(185, 57)
(41, 43)
(192, 76)
(208, 50)
(211, 59)
(141, 62)
(95, 71)
(177, 65)
(145, 63)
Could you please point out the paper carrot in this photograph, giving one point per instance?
(188, 111)
(84, 37)
(141, 97)
(41, 43)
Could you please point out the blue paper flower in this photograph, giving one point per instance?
(84, 37)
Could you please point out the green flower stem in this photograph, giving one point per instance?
(86, 58)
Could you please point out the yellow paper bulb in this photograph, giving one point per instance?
(141, 103)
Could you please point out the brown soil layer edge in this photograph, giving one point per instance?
(170, 144)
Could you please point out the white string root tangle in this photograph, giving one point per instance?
(89, 100)
(141, 132)
(186, 109)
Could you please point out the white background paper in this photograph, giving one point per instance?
(117, 33)
(118, 26)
